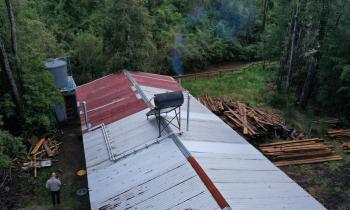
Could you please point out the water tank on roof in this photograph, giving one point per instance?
(58, 68)
(169, 99)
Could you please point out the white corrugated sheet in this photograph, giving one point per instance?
(148, 176)
(244, 176)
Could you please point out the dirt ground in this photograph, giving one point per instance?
(66, 164)
(328, 182)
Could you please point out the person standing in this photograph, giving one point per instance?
(54, 185)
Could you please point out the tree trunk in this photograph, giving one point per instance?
(266, 8)
(314, 65)
(309, 82)
(4, 63)
(13, 26)
(12, 20)
(294, 26)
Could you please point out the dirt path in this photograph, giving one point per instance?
(218, 69)
(225, 66)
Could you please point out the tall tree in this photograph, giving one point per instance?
(5, 65)
(293, 39)
(12, 20)
(13, 26)
(127, 34)
(313, 66)
(266, 8)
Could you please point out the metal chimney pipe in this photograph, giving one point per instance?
(188, 110)
(180, 118)
(85, 115)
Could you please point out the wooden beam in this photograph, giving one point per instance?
(37, 146)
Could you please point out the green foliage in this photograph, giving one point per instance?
(127, 35)
(334, 68)
(277, 27)
(89, 60)
(35, 44)
(10, 147)
(322, 38)
(278, 101)
(345, 75)
(7, 106)
(345, 83)
(142, 35)
(215, 32)
(66, 17)
(40, 96)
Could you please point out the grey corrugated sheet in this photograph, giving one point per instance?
(245, 177)
(155, 177)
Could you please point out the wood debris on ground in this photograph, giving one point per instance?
(341, 134)
(296, 152)
(251, 122)
(41, 152)
(254, 123)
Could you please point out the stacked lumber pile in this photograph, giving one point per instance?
(252, 122)
(296, 152)
(341, 134)
(41, 152)
(346, 147)
(333, 122)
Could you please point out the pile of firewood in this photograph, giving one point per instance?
(296, 152)
(252, 122)
(341, 134)
(41, 153)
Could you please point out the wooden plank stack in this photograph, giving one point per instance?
(251, 122)
(296, 152)
(341, 134)
(332, 122)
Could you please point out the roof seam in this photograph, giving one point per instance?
(132, 80)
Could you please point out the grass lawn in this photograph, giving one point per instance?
(249, 85)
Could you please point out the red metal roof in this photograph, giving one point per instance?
(108, 99)
(156, 81)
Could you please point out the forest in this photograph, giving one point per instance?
(307, 40)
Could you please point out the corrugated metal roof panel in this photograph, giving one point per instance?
(108, 99)
(245, 177)
(156, 177)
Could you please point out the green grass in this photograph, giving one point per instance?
(248, 85)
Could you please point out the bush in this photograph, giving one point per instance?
(278, 101)
(10, 147)
(285, 103)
